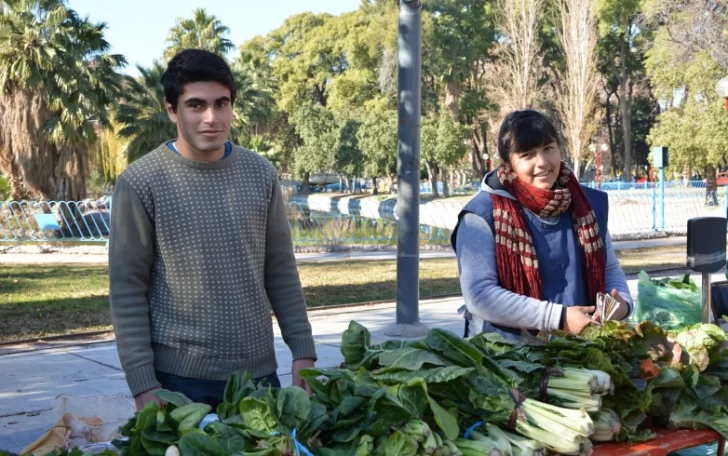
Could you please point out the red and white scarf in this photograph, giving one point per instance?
(515, 252)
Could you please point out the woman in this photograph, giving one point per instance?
(533, 248)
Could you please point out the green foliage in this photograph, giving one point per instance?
(4, 188)
(377, 138)
(202, 31)
(142, 114)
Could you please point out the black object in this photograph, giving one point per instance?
(719, 295)
(706, 244)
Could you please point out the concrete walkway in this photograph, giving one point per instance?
(100, 257)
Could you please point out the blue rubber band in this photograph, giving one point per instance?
(298, 446)
(466, 436)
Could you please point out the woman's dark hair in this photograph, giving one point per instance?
(195, 65)
(524, 130)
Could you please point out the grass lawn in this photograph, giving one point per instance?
(39, 300)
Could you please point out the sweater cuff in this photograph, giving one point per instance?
(555, 316)
(303, 348)
(142, 379)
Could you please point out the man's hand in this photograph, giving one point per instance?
(147, 396)
(299, 364)
(577, 317)
(623, 308)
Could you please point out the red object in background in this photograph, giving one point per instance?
(726, 104)
(722, 178)
(664, 442)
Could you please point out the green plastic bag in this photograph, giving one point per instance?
(669, 303)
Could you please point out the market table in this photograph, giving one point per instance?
(664, 443)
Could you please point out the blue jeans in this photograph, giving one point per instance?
(209, 392)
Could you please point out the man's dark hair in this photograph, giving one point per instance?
(524, 130)
(195, 65)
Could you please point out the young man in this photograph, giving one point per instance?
(199, 245)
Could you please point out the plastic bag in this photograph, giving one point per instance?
(83, 420)
(668, 303)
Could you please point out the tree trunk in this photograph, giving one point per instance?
(610, 133)
(626, 106)
(711, 186)
(16, 184)
(444, 176)
(452, 95)
(390, 184)
(433, 171)
(479, 149)
(375, 188)
(306, 183)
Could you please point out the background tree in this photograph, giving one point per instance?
(142, 114)
(202, 31)
(514, 78)
(621, 29)
(57, 82)
(377, 137)
(578, 82)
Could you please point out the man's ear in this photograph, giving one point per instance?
(171, 111)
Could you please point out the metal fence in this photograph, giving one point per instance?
(54, 220)
(340, 220)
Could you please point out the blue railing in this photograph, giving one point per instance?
(339, 219)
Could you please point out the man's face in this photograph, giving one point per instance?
(203, 117)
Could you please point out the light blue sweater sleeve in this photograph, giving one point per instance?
(484, 297)
(614, 277)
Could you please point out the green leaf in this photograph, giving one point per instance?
(351, 404)
(153, 447)
(189, 416)
(256, 415)
(229, 439)
(355, 344)
(173, 397)
(197, 443)
(226, 410)
(410, 358)
(436, 375)
(168, 438)
(293, 407)
(454, 348)
(399, 444)
(239, 386)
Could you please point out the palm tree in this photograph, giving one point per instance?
(200, 32)
(254, 101)
(57, 81)
(142, 114)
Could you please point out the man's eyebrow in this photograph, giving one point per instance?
(201, 101)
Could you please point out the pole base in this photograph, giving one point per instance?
(406, 331)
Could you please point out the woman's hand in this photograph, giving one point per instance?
(577, 318)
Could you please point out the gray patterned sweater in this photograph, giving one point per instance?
(196, 254)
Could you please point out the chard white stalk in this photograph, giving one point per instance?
(555, 442)
(578, 421)
(576, 399)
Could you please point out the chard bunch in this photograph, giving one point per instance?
(606, 425)
(559, 429)
(579, 388)
(429, 443)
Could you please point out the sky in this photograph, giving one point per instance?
(138, 28)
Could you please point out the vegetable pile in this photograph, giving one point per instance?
(444, 395)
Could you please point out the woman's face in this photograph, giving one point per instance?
(539, 166)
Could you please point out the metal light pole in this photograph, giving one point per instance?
(408, 173)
